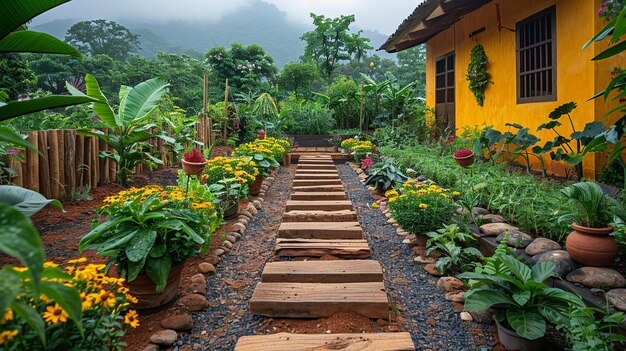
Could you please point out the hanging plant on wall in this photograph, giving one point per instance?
(477, 74)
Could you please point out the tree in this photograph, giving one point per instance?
(103, 37)
(412, 68)
(331, 42)
(15, 75)
(298, 77)
(246, 67)
(54, 71)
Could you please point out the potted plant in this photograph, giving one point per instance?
(590, 242)
(148, 233)
(524, 303)
(464, 157)
(229, 192)
(335, 141)
(384, 176)
(193, 163)
(262, 156)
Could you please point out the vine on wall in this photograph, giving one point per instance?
(477, 74)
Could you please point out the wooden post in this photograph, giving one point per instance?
(31, 176)
(69, 137)
(361, 116)
(61, 150)
(53, 157)
(44, 165)
(79, 161)
(225, 111)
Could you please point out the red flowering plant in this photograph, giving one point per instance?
(194, 156)
(463, 153)
(367, 163)
(261, 135)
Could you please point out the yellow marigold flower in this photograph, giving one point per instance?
(132, 319)
(456, 193)
(106, 299)
(55, 314)
(8, 316)
(375, 205)
(130, 298)
(20, 269)
(78, 260)
(7, 335)
(423, 206)
(49, 264)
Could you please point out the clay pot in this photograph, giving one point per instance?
(255, 187)
(512, 341)
(592, 246)
(149, 300)
(465, 161)
(193, 168)
(231, 212)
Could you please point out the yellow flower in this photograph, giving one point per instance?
(456, 193)
(375, 205)
(20, 269)
(7, 335)
(55, 314)
(423, 206)
(8, 316)
(49, 264)
(87, 301)
(130, 298)
(106, 299)
(132, 319)
(78, 260)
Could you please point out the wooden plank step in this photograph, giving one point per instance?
(315, 161)
(320, 195)
(352, 271)
(320, 216)
(312, 300)
(320, 230)
(316, 166)
(309, 182)
(349, 249)
(317, 188)
(305, 176)
(327, 342)
(330, 205)
(316, 171)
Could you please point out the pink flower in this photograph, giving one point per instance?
(13, 152)
(94, 118)
(261, 134)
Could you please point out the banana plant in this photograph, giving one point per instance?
(129, 130)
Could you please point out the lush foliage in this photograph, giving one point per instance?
(264, 152)
(384, 175)
(101, 37)
(150, 229)
(421, 207)
(308, 117)
(590, 207)
(452, 243)
(477, 74)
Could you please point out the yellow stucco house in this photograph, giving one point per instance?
(536, 62)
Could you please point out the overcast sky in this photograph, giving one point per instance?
(381, 15)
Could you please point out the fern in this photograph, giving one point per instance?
(590, 206)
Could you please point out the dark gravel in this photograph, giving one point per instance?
(229, 291)
(433, 322)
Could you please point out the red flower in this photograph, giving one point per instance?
(261, 134)
(195, 156)
(463, 153)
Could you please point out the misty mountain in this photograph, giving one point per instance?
(260, 23)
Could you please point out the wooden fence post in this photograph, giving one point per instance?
(69, 137)
(225, 112)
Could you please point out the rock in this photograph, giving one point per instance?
(564, 264)
(391, 221)
(449, 284)
(206, 268)
(228, 244)
(402, 232)
(240, 225)
(253, 210)
(151, 347)
(183, 322)
(491, 218)
(424, 259)
(194, 302)
(231, 238)
(482, 316)
(235, 234)
(243, 220)
(495, 229)
(465, 316)
(220, 252)
(409, 239)
(517, 239)
(597, 277)
(198, 278)
(432, 270)
(541, 245)
(455, 297)
(196, 288)
(479, 211)
(247, 214)
(421, 178)
(617, 298)
(257, 203)
(165, 337)
(388, 214)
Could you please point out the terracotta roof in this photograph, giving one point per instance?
(429, 19)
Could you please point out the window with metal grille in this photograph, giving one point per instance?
(536, 57)
(444, 79)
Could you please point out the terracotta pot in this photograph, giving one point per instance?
(513, 342)
(255, 187)
(231, 212)
(592, 246)
(193, 168)
(149, 300)
(465, 161)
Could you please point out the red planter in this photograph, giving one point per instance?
(592, 246)
(465, 161)
(145, 291)
(255, 187)
(193, 168)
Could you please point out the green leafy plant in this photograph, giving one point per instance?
(477, 74)
(591, 329)
(24, 200)
(129, 130)
(385, 175)
(590, 207)
(452, 243)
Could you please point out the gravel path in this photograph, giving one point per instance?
(433, 322)
(229, 291)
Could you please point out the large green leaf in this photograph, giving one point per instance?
(8, 135)
(20, 108)
(529, 325)
(101, 107)
(142, 99)
(611, 51)
(24, 200)
(36, 42)
(519, 269)
(67, 297)
(139, 247)
(19, 239)
(17, 12)
(10, 285)
(32, 318)
(158, 269)
(482, 299)
(542, 271)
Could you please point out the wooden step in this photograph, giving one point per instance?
(307, 176)
(320, 195)
(310, 182)
(330, 205)
(312, 300)
(302, 161)
(318, 188)
(327, 342)
(316, 166)
(316, 171)
(320, 230)
(351, 271)
(348, 249)
(320, 216)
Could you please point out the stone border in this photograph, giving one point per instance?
(194, 299)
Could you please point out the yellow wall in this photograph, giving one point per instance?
(576, 22)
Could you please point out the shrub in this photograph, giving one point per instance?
(219, 168)
(421, 208)
(309, 118)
